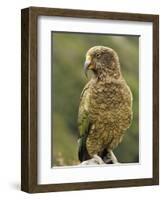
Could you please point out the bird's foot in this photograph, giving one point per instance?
(110, 158)
(107, 160)
(96, 160)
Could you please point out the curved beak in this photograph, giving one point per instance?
(87, 65)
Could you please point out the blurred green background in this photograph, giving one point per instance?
(68, 80)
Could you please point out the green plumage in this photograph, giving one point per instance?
(105, 110)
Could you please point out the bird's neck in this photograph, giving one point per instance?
(108, 74)
(108, 71)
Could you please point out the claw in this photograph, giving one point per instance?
(112, 157)
(96, 160)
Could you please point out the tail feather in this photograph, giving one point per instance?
(82, 151)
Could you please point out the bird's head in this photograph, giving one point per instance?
(103, 61)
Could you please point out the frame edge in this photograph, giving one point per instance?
(28, 101)
(156, 100)
(24, 99)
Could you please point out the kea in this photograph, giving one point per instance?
(105, 110)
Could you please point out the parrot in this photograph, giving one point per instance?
(105, 108)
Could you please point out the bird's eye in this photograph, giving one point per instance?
(98, 55)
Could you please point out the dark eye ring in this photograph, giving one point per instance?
(98, 55)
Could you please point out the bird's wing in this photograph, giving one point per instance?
(83, 123)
